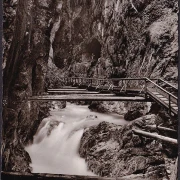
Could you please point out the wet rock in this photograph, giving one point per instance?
(108, 107)
(96, 106)
(52, 125)
(135, 110)
(131, 115)
(112, 150)
(91, 117)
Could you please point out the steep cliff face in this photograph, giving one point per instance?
(138, 37)
(24, 75)
(119, 38)
(89, 38)
(9, 8)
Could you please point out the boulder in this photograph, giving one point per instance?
(113, 150)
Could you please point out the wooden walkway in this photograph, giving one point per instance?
(163, 97)
(75, 97)
(43, 176)
(116, 89)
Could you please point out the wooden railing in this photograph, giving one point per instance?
(124, 84)
(171, 98)
(167, 83)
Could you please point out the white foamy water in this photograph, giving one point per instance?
(58, 152)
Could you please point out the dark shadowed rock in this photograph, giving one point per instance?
(131, 115)
(24, 75)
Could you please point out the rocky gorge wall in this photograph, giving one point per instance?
(27, 31)
(89, 38)
(121, 38)
(138, 37)
(118, 38)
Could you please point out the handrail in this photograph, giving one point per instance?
(161, 88)
(143, 78)
(115, 79)
(168, 84)
(129, 79)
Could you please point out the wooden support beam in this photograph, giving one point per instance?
(156, 136)
(84, 97)
(73, 92)
(71, 89)
(68, 87)
(161, 128)
(41, 176)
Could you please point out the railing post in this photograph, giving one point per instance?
(158, 82)
(169, 104)
(145, 88)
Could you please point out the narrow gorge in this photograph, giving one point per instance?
(47, 40)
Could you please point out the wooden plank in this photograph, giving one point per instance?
(83, 93)
(159, 96)
(67, 89)
(84, 98)
(154, 92)
(154, 127)
(164, 99)
(73, 92)
(158, 100)
(41, 176)
(173, 105)
(156, 136)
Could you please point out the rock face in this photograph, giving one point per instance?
(118, 38)
(99, 38)
(104, 106)
(26, 58)
(112, 150)
(9, 8)
(135, 110)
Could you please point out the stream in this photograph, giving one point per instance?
(55, 146)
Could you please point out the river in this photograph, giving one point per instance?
(56, 151)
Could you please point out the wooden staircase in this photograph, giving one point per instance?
(162, 96)
(163, 100)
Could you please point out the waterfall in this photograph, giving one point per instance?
(57, 152)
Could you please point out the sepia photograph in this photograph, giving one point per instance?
(90, 90)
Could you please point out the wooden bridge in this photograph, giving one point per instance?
(124, 89)
(115, 89)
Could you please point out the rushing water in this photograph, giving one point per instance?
(57, 153)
